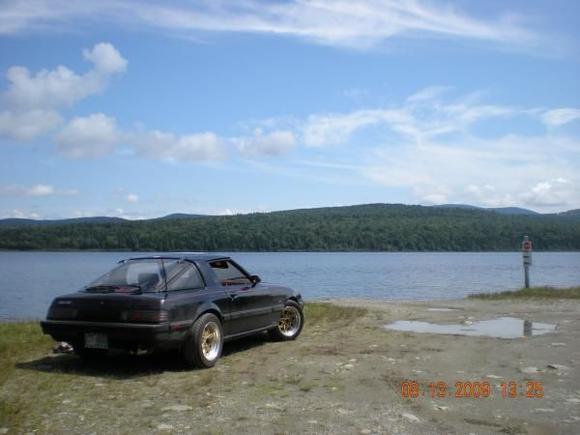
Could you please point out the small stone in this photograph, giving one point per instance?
(544, 410)
(531, 370)
(99, 385)
(440, 407)
(312, 422)
(557, 344)
(573, 400)
(66, 402)
(348, 366)
(3, 430)
(164, 426)
(366, 432)
(493, 377)
(178, 408)
(352, 360)
(410, 417)
(557, 367)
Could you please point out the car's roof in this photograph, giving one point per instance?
(184, 256)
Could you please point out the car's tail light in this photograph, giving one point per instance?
(146, 316)
(62, 313)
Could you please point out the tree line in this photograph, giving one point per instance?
(374, 227)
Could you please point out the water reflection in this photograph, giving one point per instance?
(503, 327)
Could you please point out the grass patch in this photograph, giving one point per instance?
(320, 312)
(18, 340)
(533, 292)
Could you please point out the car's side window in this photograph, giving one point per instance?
(229, 274)
(182, 276)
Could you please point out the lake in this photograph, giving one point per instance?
(29, 280)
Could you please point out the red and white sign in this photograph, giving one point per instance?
(527, 246)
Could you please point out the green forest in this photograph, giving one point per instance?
(373, 227)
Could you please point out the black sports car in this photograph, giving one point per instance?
(193, 303)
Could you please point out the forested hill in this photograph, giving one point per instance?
(372, 227)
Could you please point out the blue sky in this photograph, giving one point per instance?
(141, 109)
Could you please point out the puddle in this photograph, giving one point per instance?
(442, 310)
(503, 327)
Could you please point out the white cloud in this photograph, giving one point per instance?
(106, 58)
(557, 117)
(30, 104)
(557, 192)
(22, 214)
(27, 125)
(35, 190)
(88, 137)
(419, 119)
(336, 128)
(132, 198)
(61, 87)
(339, 23)
(167, 146)
(493, 172)
(42, 190)
(428, 93)
(275, 143)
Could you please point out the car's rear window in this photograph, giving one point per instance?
(146, 275)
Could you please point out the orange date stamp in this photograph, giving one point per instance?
(411, 389)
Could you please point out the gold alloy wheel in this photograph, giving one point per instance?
(211, 341)
(290, 321)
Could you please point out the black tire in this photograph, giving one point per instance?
(282, 332)
(198, 353)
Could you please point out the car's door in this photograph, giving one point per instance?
(251, 304)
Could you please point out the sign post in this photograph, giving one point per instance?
(527, 254)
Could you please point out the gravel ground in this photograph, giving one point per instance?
(338, 377)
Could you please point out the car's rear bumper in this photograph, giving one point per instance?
(119, 335)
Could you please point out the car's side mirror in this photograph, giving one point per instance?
(255, 279)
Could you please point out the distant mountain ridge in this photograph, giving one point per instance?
(366, 227)
(502, 210)
(17, 222)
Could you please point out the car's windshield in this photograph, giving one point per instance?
(132, 275)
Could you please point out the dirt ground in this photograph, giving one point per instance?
(338, 377)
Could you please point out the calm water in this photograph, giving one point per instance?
(29, 280)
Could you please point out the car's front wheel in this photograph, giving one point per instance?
(290, 323)
(205, 342)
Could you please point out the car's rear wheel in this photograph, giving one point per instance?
(205, 342)
(290, 323)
